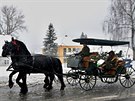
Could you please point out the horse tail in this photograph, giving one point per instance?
(57, 66)
(60, 65)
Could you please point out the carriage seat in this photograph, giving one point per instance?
(118, 67)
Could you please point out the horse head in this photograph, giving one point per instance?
(17, 51)
(10, 48)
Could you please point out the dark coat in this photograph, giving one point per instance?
(85, 51)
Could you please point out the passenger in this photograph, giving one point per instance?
(110, 62)
(85, 54)
(119, 54)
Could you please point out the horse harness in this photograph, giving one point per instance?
(13, 65)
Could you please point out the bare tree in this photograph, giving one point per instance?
(121, 22)
(11, 20)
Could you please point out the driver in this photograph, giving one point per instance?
(85, 51)
(85, 54)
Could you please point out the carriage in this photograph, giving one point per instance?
(24, 63)
(87, 79)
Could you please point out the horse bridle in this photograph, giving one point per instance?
(16, 45)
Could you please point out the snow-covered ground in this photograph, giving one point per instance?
(32, 78)
(36, 78)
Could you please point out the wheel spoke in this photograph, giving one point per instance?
(87, 82)
(72, 77)
(127, 80)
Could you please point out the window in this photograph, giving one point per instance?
(6, 62)
(69, 49)
(64, 50)
(74, 49)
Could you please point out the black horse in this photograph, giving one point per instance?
(24, 63)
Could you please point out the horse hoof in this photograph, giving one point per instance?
(62, 88)
(23, 91)
(11, 84)
(49, 88)
(45, 86)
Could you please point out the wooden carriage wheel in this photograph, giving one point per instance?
(127, 79)
(87, 82)
(72, 77)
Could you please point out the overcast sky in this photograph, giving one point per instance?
(69, 17)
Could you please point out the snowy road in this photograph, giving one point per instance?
(101, 92)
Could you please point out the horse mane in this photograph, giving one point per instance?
(23, 46)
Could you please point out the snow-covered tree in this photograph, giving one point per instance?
(120, 24)
(50, 47)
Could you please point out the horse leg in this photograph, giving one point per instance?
(59, 73)
(60, 77)
(51, 82)
(10, 82)
(19, 77)
(24, 88)
(46, 81)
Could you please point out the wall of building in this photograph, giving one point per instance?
(64, 51)
(4, 38)
(4, 60)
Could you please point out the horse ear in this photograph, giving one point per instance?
(6, 41)
(13, 39)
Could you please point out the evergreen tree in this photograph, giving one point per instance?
(50, 47)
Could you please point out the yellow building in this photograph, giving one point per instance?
(65, 50)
